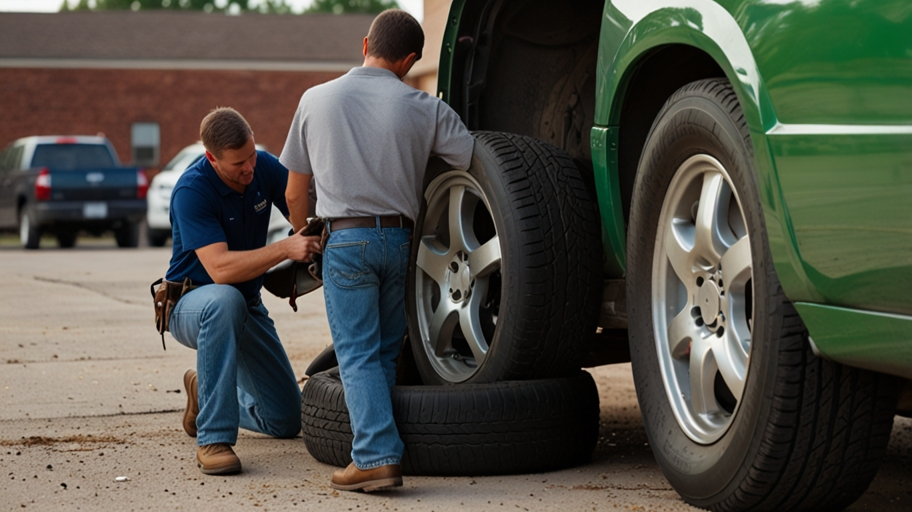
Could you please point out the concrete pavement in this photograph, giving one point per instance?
(87, 395)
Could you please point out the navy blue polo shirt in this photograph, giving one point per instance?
(205, 210)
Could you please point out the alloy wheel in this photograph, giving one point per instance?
(703, 298)
(458, 276)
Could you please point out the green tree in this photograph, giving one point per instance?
(351, 6)
(231, 6)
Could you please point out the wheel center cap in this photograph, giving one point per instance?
(709, 298)
(460, 279)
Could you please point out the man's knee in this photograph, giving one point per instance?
(287, 426)
(224, 302)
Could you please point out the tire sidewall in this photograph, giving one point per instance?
(484, 169)
(685, 128)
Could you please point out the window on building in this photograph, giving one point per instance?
(146, 144)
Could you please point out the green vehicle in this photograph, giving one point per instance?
(727, 185)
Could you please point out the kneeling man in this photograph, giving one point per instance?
(220, 216)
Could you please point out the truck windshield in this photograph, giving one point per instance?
(67, 157)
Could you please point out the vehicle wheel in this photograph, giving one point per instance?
(66, 240)
(158, 237)
(29, 232)
(505, 273)
(473, 429)
(127, 235)
(739, 411)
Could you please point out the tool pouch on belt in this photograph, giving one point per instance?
(165, 298)
(291, 279)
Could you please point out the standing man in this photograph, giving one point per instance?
(367, 138)
(220, 211)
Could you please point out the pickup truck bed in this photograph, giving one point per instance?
(64, 185)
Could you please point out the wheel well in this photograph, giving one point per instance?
(529, 67)
(651, 82)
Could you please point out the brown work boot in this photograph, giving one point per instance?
(193, 408)
(377, 479)
(217, 459)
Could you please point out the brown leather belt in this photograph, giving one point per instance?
(386, 221)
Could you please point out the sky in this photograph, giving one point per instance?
(415, 7)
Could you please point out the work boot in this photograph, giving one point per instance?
(217, 459)
(193, 408)
(377, 479)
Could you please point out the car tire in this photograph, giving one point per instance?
(158, 237)
(29, 231)
(512, 299)
(67, 240)
(473, 429)
(127, 235)
(780, 429)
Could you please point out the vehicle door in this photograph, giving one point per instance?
(839, 76)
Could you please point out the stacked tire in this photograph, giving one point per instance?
(502, 291)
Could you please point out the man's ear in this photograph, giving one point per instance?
(364, 49)
(403, 66)
(210, 157)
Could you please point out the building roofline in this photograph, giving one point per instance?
(181, 64)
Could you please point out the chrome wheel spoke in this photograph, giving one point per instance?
(432, 262)
(485, 259)
(458, 239)
(736, 262)
(702, 377)
(680, 256)
(730, 363)
(441, 329)
(470, 322)
(681, 333)
(708, 240)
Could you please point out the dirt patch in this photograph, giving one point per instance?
(50, 441)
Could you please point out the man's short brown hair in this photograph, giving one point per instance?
(394, 35)
(224, 128)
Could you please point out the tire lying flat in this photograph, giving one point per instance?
(506, 266)
(473, 429)
(740, 413)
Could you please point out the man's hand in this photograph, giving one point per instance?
(301, 248)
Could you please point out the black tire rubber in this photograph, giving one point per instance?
(66, 240)
(473, 429)
(550, 236)
(32, 238)
(127, 235)
(158, 237)
(809, 434)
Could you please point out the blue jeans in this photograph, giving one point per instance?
(244, 376)
(364, 284)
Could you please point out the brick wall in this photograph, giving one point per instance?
(88, 101)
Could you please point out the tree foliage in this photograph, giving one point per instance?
(352, 6)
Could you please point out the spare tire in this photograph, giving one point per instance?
(473, 429)
(505, 273)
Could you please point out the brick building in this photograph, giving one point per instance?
(146, 77)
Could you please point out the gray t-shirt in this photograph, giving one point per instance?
(366, 137)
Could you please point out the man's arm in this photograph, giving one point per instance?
(230, 267)
(297, 196)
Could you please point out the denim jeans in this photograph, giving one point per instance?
(244, 376)
(364, 285)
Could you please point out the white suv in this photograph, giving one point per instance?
(159, 199)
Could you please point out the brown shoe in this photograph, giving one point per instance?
(377, 479)
(217, 459)
(193, 408)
